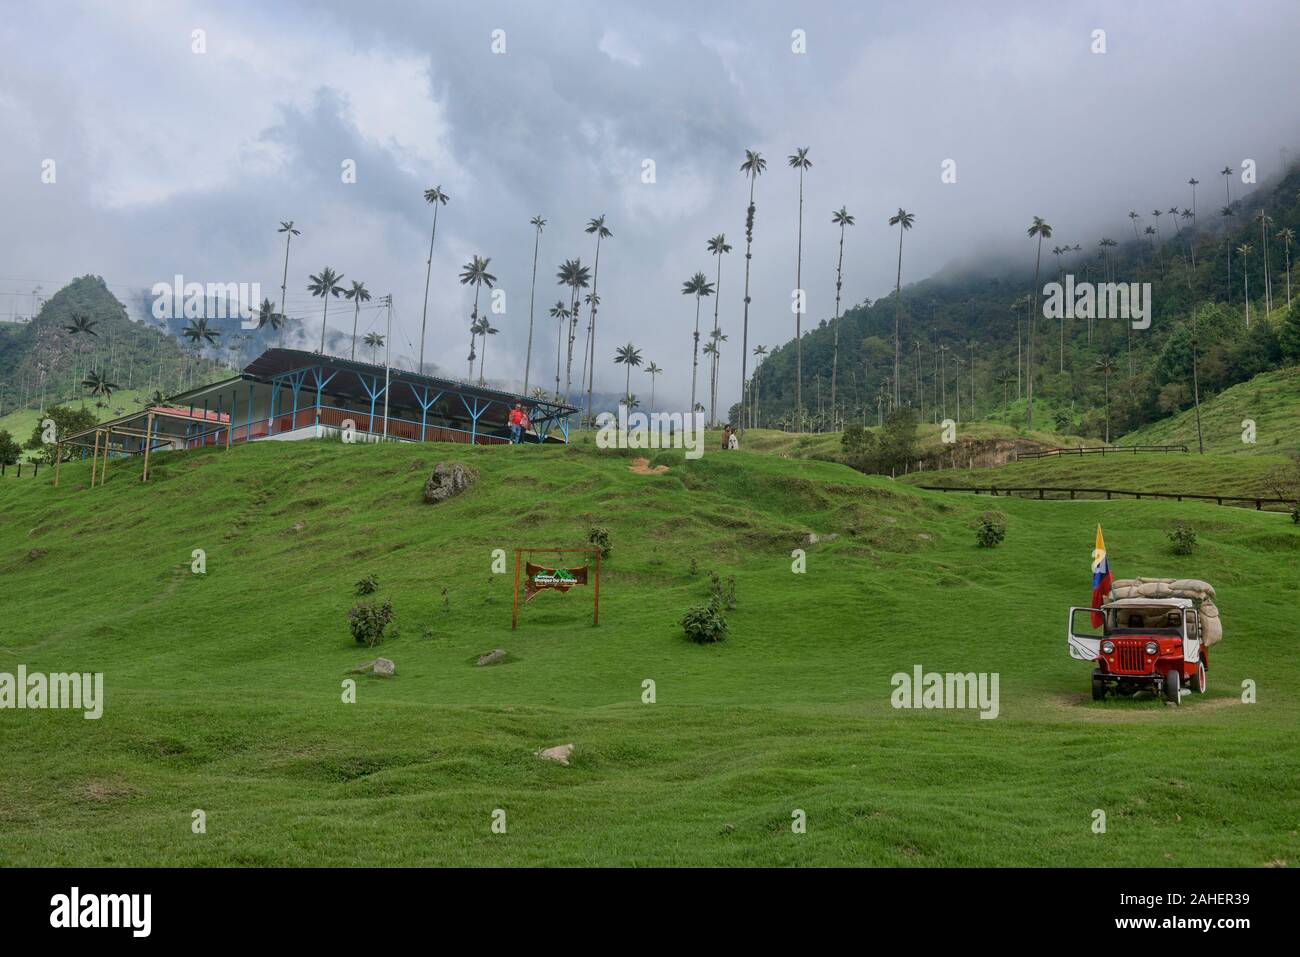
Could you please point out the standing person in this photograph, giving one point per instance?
(733, 441)
(516, 424)
(726, 437)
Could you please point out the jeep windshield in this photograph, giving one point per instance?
(1153, 620)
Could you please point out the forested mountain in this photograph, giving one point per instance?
(83, 332)
(977, 320)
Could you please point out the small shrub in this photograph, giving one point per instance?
(990, 531)
(695, 568)
(1182, 537)
(1295, 513)
(368, 585)
(426, 633)
(367, 622)
(705, 624)
(598, 535)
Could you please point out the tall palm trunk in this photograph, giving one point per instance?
(695, 351)
(356, 314)
(428, 273)
(324, 321)
(573, 335)
(559, 350)
(590, 359)
(713, 370)
(1029, 358)
(284, 282)
(532, 295)
(744, 333)
(798, 315)
(898, 316)
(473, 326)
(835, 349)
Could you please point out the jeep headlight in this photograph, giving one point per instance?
(1152, 648)
(1107, 647)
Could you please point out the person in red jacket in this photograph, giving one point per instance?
(517, 420)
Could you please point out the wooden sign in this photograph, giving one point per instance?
(539, 578)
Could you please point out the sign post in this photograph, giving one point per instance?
(539, 578)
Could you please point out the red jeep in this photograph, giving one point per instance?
(1145, 644)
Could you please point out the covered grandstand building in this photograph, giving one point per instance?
(287, 394)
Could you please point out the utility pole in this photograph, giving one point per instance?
(388, 348)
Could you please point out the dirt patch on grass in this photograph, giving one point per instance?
(100, 790)
(1144, 708)
(641, 466)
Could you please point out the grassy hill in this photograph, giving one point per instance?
(1271, 399)
(223, 689)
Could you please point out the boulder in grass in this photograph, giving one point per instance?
(380, 666)
(448, 480)
(560, 753)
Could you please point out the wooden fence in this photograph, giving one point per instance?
(1042, 491)
(1098, 450)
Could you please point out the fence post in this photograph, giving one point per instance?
(20, 468)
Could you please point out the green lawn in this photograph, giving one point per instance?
(223, 690)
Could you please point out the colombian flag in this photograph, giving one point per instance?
(1101, 578)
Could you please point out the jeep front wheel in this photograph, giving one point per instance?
(1098, 685)
(1173, 684)
(1198, 681)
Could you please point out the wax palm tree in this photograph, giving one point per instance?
(435, 197)
(475, 273)
(1105, 367)
(842, 219)
(358, 294)
(903, 220)
(1244, 251)
(753, 167)
(628, 356)
(1173, 214)
(1193, 183)
(760, 351)
(268, 317)
(374, 340)
(718, 247)
(1132, 214)
(652, 370)
(1286, 236)
(1005, 379)
(485, 329)
(1226, 173)
(538, 393)
(698, 286)
(595, 227)
(99, 386)
(716, 339)
(1040, 230)
(560, 313)
(1225, 212)
(577, 277)
(79, 328)
(538, 224)
(286, 227)
(631, 401)
(1265, 221)
(711, 350)
(324, 285)
(799, 160)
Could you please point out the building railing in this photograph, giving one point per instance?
(331, 417)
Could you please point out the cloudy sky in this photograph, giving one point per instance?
(174, 161)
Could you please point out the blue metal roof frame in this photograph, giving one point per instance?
(275, 362)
